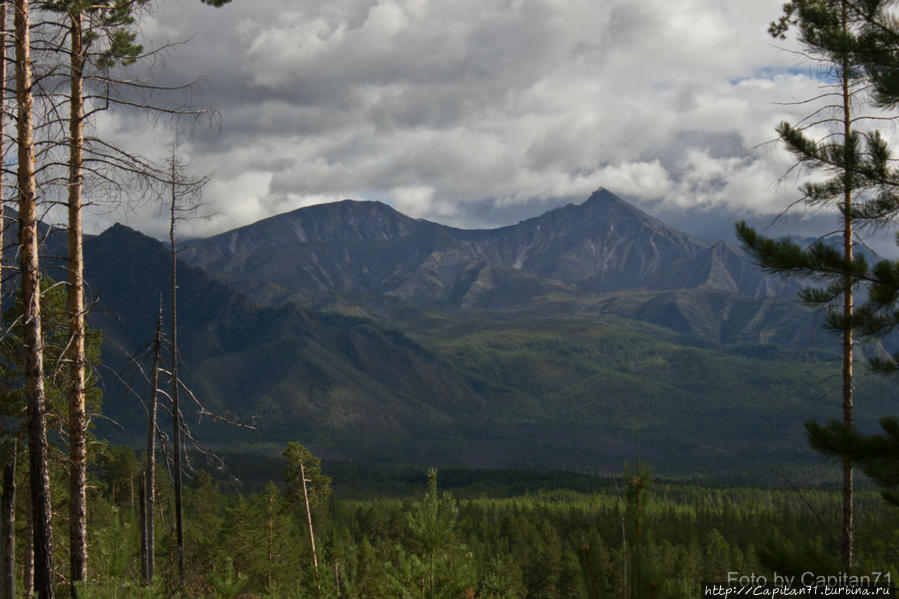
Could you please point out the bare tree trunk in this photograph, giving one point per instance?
(150, 472)
(271, 537)
(848, 525)
(2, 134)
(28, 564)
(77, 410)
(624, 555)
(142, 521)
(30, 273)
(337, 578)
(637, 485)
(176, 408)
(8, 528)
(309, 522)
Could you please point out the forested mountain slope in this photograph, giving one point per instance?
(556, 381)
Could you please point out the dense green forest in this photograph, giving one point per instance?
(577, 536)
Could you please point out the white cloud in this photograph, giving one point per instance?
(647, 180)
(451, 108)
(415, 200)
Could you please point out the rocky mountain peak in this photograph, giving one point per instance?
(602, 244)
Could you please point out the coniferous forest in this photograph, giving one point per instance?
(373, 334)
(634, 535)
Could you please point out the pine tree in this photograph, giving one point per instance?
(876, 52)
(87, 21)
(437, 566)
(878, 455)
(836, 33)
(30, 282)
(638, 484)
(306, 485)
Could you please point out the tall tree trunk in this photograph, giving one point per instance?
(624, 588)
(30, 274)
(2, 134)
(638, 536)
(848, 524)
(142, 521)
(150, 471)
(77, 410)
(176, 408)
(271, 537)
(8, 528)
(8, 502)
(309, 523)
(28, 561)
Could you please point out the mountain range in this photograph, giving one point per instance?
(604, 244)
(566, 340)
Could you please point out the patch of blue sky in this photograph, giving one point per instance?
(812, 71)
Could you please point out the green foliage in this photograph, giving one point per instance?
(860, 181)
(435, 545)
(593, 557)
(318, 486)
(108, 39)
(878, 454)
(857, 163)
(433, 564)
(118, 469)
(228, 583)
(55, 332)
(859, 42)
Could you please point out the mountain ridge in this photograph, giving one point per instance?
(604, 244)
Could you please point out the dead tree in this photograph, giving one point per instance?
(149, 504)
(183, 199)
(309, 521)
(176, 406)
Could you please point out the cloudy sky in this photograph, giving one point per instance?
(479, 113)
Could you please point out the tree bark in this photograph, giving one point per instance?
(176, 408)
(142, 521)
(2, 136)
(8, 501)
(150, 472)
(28, 561)
(271, 538)
(32, 340)
(848, 524)
(309, 521)
(8, 528)
(77, 408)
